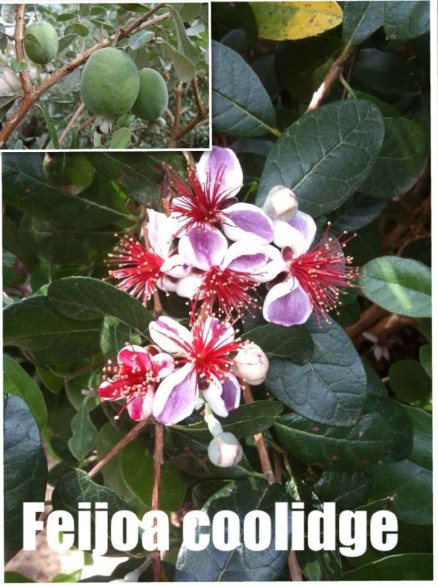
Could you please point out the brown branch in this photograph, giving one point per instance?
(333, 74)
(176, 116)
(260, 442)
(71, 123)
(391, 323)
(133, 433)
(369, 317)
(86, 123)
(33, 94)
(194, 84)
(155, 503)
(197, 120)
(294, 567)
(19, 49)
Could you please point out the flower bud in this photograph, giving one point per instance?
(281, 203)
(251, 364)
(225, 450)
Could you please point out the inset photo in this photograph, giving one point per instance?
(104, 76)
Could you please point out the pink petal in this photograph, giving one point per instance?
(165, 364)
(220, 332)
(287, 304)
(109, 390)
(170, 335)
(140, 407)
(176, 396)
(203, 247)
(132, 355)
(221, 165)
(223, 397)
(243, 220)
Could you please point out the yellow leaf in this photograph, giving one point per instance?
(279, 21)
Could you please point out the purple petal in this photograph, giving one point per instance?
(305, 224)
(140, 407)
(176, 396)
(164, 363)
(286, 235)
(169, 335)
(203, 247)
(223, 397)
(220, 332)
(221, 166)
(287, 304)
(246, 256)
(243, 220)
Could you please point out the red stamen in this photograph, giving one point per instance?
(138, 268)
(323, 271)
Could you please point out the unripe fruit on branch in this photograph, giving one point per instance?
(109, 83)
(41, 42)
(153, 97)
(72, 172)
(225, 450)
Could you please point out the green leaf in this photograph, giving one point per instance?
(85, 298)
(50, 127)
(246, 420)
(347, 490)
(138, 468)
(406, 20)
(401, 162)
(13, 241)
(25, 468)
(139, 39)
(361, 20)
(330, 387)
(51, 380)
(240, 564)
(73, 487)
(184, 69)
(185, 46)
(17, 382)
(34, 324)
(409, 487)
(108, 436)
(6, 102)
(113, 337)
(326, 155)
(77, 28)
(402, 286)
(66, 41)
(18, 66)
(366, 245)
(13, 577)
(121, 139)
(410, 383)
(422, 450)
(293, 342)
(426, 358)
(24, 187)
(382, 430)
(84, 431)
(241, 105)
(397, 567)
(358, 211)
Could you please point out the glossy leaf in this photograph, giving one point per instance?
(85, 298)
(84, 431)
(295, 20)
(25, 468)
(402, 286)
(294, 342)
(330, 387)
(426, 358)
(326, 155)
(397, 567)
(358, 211)
(422, 450)
(241, 105)
(35, 325)
(410, 383)
(347, 490)
(406, 20)
(361, 20)
(17, 382)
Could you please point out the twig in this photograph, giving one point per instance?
(392, 322)
(133, 433)
(176, 116)
(333, 74)
(155, 503)
(31, 95)
(369, 317)
(260, 442)
(86, 123)
(294, 567)
(71, 123)
(19, 49)
(197, 120)
(194, 84)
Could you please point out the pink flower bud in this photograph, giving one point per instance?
(225, 450)
(281, 203)
(251, 364)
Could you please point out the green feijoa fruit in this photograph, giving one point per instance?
(70, 171)
(109, 83)
(152, 98)
(41, 42)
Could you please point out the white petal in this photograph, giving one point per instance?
(170, 335)
(176, 396)
(220, 165)
(287, 236)
(242, 220)
(165, 363)
(188, 287)
(203, 247)
(223, 397)
(176, 266)
(161, 232)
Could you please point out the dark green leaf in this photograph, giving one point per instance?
(402, 286)
(426, 358)
(241, 105)
(401, 162)
(138, 469)
(347, 490)
(25, 468)
(329, 388)
(240, 564)
(406, 20)
(25, 188)
(85, 298)
(397, 567)
(13, 577)
(35, 325)
(422, 450)
(17, 382)
(366, 245)
(361, 19)
(358, 211)
(246, 420)
(84, 431)
(108, 436)
(293, 342)
(326, 155)
(13, 241)
(113, 337)
(410, 383)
